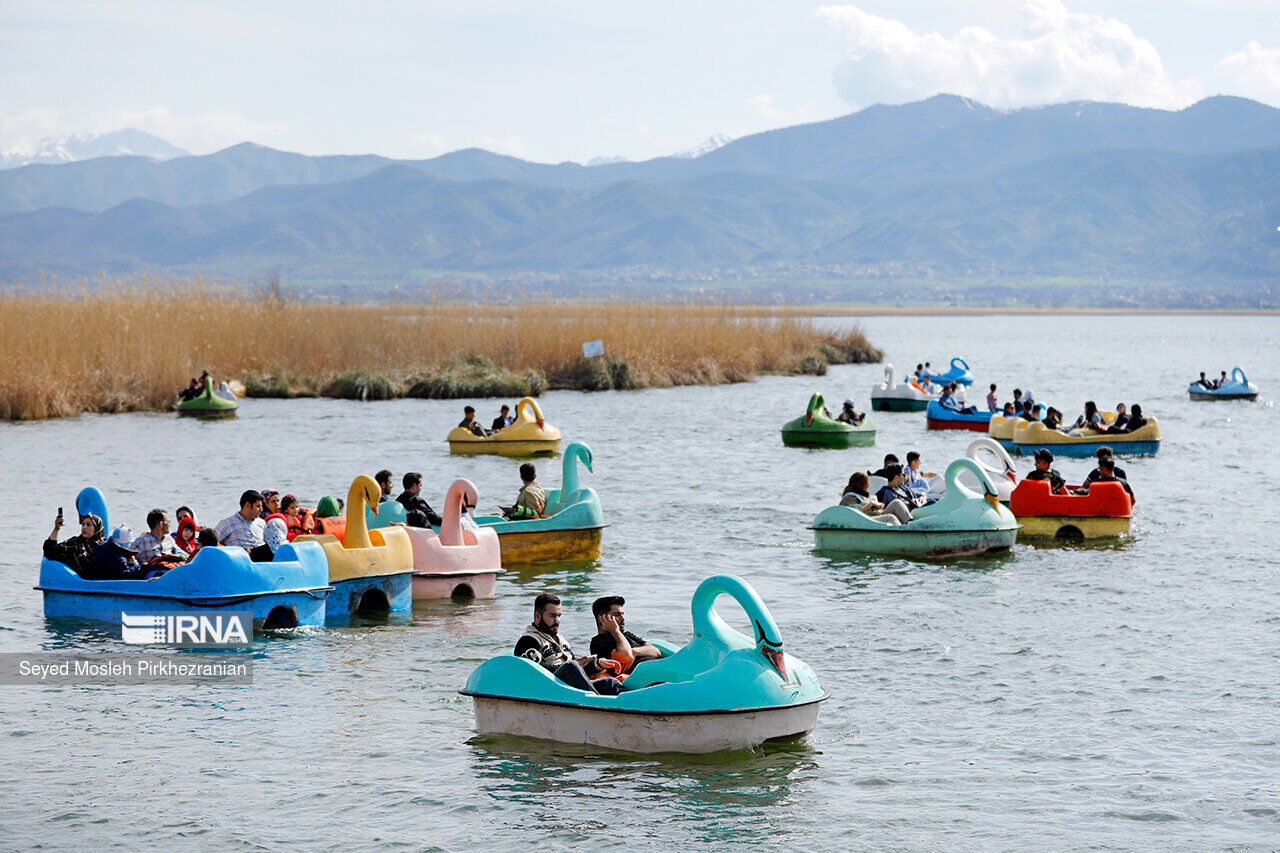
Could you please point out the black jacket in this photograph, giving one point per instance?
(412, 502)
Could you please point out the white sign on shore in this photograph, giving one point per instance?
(591, 349)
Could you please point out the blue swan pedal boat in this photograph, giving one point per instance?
(288, 592)
(938, 416)
(723, 690)
(963, 522)
(959, 373)
(1238, 387)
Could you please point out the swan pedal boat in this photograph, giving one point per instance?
(570, 527)
(208, 404)
(813, 429)
(889, 396)
(721, 691)
(368, 569)
(1238, 387)
(939, 417)
(287, 592)
(963, 522)
(989, 455)
(1105, 512)
(959, 373)
(528, 435)
(1030, 436)
(456, 562)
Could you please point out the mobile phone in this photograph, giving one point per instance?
(59, 512)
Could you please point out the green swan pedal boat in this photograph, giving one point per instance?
(816, 430)
(963, 522)
(209, 404)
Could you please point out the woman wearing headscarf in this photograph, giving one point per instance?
(76, 551)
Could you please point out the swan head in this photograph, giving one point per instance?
(367, 488)
(584, 455)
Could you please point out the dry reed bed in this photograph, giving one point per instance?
(124, 349)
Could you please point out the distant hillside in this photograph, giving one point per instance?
(945, 186)
(66, 149)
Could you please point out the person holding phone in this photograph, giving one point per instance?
(613, 640)
(77, 551)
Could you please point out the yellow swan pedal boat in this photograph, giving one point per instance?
(529, 435)
(1144, 441)
(369, 570)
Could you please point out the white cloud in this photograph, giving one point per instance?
(1058, 56)
(199, 133)
(1256, 71)
(766, 108)
(513, 146)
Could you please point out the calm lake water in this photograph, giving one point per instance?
(1114, 697)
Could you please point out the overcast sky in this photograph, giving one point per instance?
(552, 81)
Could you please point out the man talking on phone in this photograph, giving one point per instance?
(613, 640)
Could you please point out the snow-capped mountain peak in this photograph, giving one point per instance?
(66, 149)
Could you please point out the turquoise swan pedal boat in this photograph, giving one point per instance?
(723, 690)
(814, 429)
(288, 592)
(570, 526)
(1238, 387)
(963, 522)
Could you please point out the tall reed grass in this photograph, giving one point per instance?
(123, 348)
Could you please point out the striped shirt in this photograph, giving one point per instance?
(235, 531)
(149, 546)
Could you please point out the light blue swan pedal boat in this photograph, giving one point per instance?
(959, 373)
(723, 690)
(1237, 387)
(571, 524)
(964, 521)
(287, 592)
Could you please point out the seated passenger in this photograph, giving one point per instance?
(193, 390)
(1091, 420)
(897, 500)
(889, 459)
(926, 385)
(411, 498)
(947, 400)
(183, 512)
(244, 529)
(1204, 383)
(848, 415)
(1008, 410)
(503, 420)
(917, 480)
(113, 559)
(1044, 471)
(1101, 453)
(468, 422)
(1053, 419)
(1031, 413)
(531, 500)
(613, 640)
(186, 536)
(1136, 420)
(207, 537)
(76, 551)
(1121, 422)
(157, 542)
(270, 503)
(383, 479)
(275, 534)
(1106, 474)
(1018, 405)
(919, 370)
(297, 520)
(1221, 380)
(541, 643)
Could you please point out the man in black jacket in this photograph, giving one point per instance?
(411, 498)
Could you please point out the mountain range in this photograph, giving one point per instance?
(942, 188)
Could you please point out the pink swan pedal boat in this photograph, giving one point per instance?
(459, 561)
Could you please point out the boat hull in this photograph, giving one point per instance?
(1071, 527)
(893, 404)
(506, 448)
(927, 544)
(696, 733)
(454, 584)
(391, 593)
(822, 439)
(1084, 449)
(550, 546)
(287, 609)
(972, 426)
(1209, 395)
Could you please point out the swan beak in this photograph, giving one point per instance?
(991, 499)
